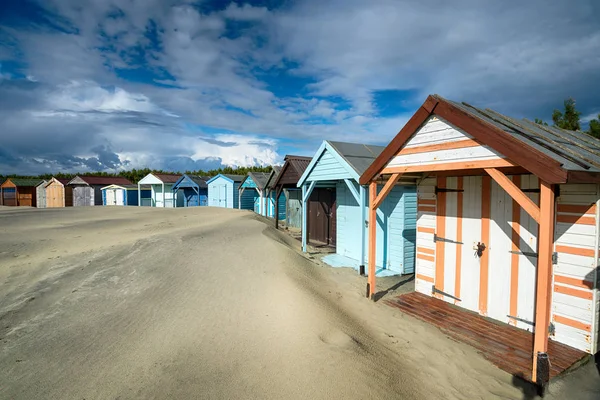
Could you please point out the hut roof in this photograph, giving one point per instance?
(275, 170)
(25, 182)
(168, 178)
(260, 179)
(358, 156)
(292, 170)
(235, 178)
(103, 180)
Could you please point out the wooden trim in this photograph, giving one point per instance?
(574, 292)
(567, 280)
(425, 278)
(486, 209)
(424, 229)
(577, 208)
(583, 177)
(413, 124)
(425, 257)
(543, 294)
(537, 162)
(458, 144)
(572, 323)
(425, 250)
(577, 251)
(514, 259)
(372, 237)
(426, 209)
(515, 193)
(440, 229)
(480, 164)
(387, 188)
(426, 202)
(576, 219)
(459, 234)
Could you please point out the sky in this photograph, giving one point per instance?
(110, 85)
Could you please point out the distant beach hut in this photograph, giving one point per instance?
(40, 192)
(271, 193)
(87, 190)
(191, 190)
(161, 194)
(252, 192)
(223, 190)
(123, 195)
(287, 181)
(340, 220)
(20, 192)
(58, 193)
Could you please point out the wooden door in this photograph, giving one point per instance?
(222, 195)
(321, 216)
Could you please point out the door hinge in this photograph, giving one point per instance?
(551, 329)
(446, 190)
(521, 320)
(436, 238)
(555, 258)
(524, 253)
(530, 190)
(435, 290)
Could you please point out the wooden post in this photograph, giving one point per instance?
(163, 193)
(304, 217)
(372, 237)
(277, 194)
(363, 227)
(544, 274)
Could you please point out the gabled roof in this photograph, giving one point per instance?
(554, 155)
(355, 157)
(275, 170)
(23, 182)
(260, 179)
(100, 180)
(229, 177)
(292, 170)
(152, 178)
(126, 187)
(168, 178)
(200, 181)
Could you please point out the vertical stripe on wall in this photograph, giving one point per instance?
(459, 231)
(514, 259)
(486, 191)
(440, 232)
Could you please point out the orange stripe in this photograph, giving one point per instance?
(577, 251)
(459, 232)
(426, 202)
(576, 219)
(572, 323)
(453, 166)
(573, 281)
(486, 192)
(425, 230)
(426, 209)
(440, 228)
(426, 257)
(514, 260)
(425, 250)
(577, 208)
(573, 292)
(425, 278)
(459, 144)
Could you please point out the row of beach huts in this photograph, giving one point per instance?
(497, 216)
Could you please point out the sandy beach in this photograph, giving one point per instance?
(209, 303)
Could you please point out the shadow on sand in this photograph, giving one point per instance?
(377, 296)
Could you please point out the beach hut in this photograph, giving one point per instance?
(508, 220)
(336, 168)
(287, 180)
(58, 193)
(252, 192)
(40, 193)
(271, 193)
(223, 190)
(87, 190)
(191, 191)
(123, 195)
(161, 190)
(20, 192)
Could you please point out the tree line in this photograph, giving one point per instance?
(135, 175)
(570, 119)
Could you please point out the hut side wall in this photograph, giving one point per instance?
(221, 193)
(294, 208)
(40, 192)
(83, 195)
(26, 196)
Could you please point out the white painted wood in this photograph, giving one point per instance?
(477, 153)
(573, 337)
(436, 131)
(425, 190)
(576, 302)
(450, 249)
(499, 248)
(422, 286)
(426, 220)
(470, 267)
(576, 313)
(528, 232)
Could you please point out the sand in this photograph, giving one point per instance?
(212, 304)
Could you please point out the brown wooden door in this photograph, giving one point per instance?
(321, 217)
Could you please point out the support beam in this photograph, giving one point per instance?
(387, 188)
(306, 192)
(372, 238)
(240, 192)
(452, 166)
(277, 194)
(353, 190)
(139, 195)
(363, 228)
(516, 193)
(163, 193)
(544, 275)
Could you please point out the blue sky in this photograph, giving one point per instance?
(182, 85)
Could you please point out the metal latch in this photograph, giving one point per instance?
(446, 190)
(555, 258)
(524, 253)
(435, 290)
(437, 238)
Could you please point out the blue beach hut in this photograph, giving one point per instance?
(272, 194)
(223, 190)
(123, 195)
(253, 192)
(191, 190)
(337, 167)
